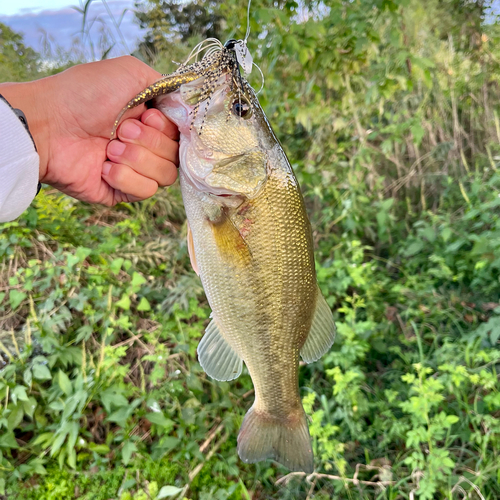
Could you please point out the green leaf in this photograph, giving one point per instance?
(168, 491)
(101, 449)
(30, 406)
(19, 393)
(128, 448)
(303, 56)
(120, 416)
(138, 279)
(44, 439)
(144, 305)
(64, 383)
(41, 372)
(15, 417)
(58, 441)
(116, 265)
(418, 133)
(159, 419)
(73, 435)
(71, 460)
(7, 440)
(83, 333)
(15, 298)
(27, 377)
(168, 443)
(414, 248)
(112, 397)
(446, 234)
(428, 233)
(124, 302)
(82, 253)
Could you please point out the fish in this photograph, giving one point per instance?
(250, 241)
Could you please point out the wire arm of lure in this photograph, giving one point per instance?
(263, 79)
(209, 43)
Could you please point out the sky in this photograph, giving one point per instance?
(56, 21)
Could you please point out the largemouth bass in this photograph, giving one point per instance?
(250, 241)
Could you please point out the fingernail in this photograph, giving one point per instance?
(155, 121)
(116, 148)
(106, 167)
(129, 130)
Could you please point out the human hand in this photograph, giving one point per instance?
(71, 116)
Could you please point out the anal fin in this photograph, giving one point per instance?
(322, 333)
(219, 360)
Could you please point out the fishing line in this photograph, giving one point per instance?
(248, 22)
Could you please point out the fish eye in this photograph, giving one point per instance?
(241, 108)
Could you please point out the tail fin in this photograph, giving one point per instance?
(286, 441)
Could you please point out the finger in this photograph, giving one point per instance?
(128, 181)
(135, 132)
(143, 161)
(157, 120)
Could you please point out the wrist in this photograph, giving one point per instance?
(32, 99)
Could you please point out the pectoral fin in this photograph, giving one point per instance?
(192, 255)
(219, 360)
(322, 333)
(230, 243)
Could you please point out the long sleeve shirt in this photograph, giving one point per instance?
(19, 165)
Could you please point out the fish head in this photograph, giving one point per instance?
(222, 145)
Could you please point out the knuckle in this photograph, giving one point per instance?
(134, 154)
(157, 142)
(151, 189)
(117, 174)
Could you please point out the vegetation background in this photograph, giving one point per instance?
(389, 111)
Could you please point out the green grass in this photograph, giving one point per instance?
(394, 135)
